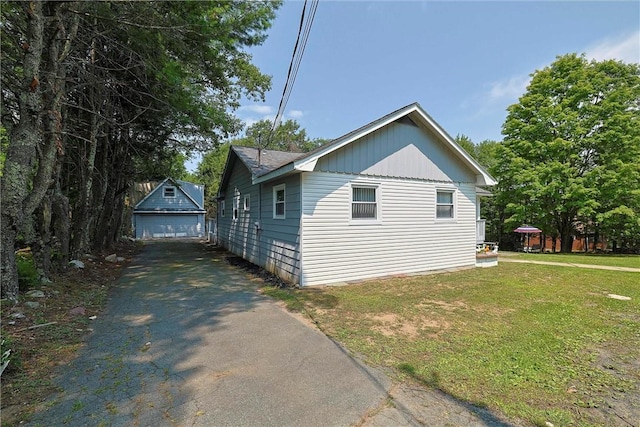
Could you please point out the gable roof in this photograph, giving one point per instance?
(178, 185)
(274, 164)
(268, 161)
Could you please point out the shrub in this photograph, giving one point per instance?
(27, 271)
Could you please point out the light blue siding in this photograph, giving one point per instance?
(157, 216)
(398, 150)
(157, 202)
(280, 238)
(273, 245)
(196, 191)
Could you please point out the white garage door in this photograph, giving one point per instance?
(163, 226)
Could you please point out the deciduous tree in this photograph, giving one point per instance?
(572, 148)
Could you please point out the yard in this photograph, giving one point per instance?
(632, 261)
(535, 343)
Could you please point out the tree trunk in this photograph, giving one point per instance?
(20, 156)
(84, 209)
(566, 241)
(41, 246)
(61, 227)
(58, 46)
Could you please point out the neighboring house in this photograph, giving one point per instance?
(172, 209)
(395, 196)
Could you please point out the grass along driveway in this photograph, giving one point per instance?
(536, 343)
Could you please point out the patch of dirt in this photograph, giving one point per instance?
(622, 402)
(390, 324)
(45, 335)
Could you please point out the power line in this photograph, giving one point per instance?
(306, 21)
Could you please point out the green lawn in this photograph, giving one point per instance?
(536, 343)
(632, 261)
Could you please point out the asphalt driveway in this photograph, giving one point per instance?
(187, 340)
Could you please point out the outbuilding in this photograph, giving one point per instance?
(173, 208)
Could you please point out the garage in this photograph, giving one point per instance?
(158, 226)
(173, 209)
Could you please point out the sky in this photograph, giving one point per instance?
(465, 62)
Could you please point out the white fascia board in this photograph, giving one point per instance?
(307, 166)
(150, 193)
(485, 179)
(482, 177)
(309, 163)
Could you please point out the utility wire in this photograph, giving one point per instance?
(306, 21)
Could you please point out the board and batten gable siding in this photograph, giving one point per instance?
(196, 191)
(275, 246)
(407, 238)
(401, 149)
(157, 202)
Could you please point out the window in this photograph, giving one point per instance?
(444, 204)
(236, 207)
(169, 192)
(247, 202)
(222, 206)
(364, 204)
(279, 202)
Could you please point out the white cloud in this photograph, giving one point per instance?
(509, 89)
(295, 114)
(624, 48)
(257, 109)
(251, 114)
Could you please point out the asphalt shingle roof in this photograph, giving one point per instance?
(270, 160)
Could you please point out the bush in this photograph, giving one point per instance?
(27, 271)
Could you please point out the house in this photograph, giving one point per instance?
(395, 196)
(172, 208)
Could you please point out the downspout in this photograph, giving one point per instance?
(300, 232)
(259, 225)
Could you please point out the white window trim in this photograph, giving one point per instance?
(246, 204)
(277, 188)
(454, 201)
(222, 208)
(164, 192)
(235, 213)
(366, 221)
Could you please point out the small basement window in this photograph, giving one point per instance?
(169, 192)
(364, 203)
(279, 202)
(445, 204)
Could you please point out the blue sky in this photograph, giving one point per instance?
(464, 62)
